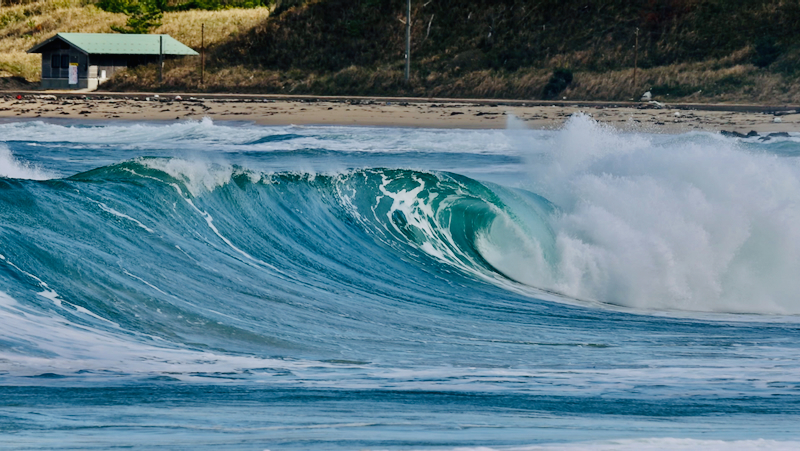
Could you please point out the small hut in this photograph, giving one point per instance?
(85, 60)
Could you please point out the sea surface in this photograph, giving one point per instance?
(209, 286)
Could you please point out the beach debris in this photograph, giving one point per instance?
(647, 96)
(19, 97)
(784, 113)
(774, 135)
(732, 134)
(677, 114)
(777, 120)
(178, 98)
(652, 104)
(750, 134)
(46, 97)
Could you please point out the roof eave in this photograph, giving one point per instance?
(36, 47)
(72, 44)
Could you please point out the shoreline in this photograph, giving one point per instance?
(277, 110)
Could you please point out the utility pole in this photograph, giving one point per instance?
(408, 42)
(635, 60)
(202, 54)
(160, 59)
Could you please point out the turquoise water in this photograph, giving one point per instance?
(209, 285)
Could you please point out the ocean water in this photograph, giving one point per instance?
(203, 285)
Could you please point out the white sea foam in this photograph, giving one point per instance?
(11, 167)
(74, 347)
(647, 222)
(189, 136)
(198, 176)
(512, 252)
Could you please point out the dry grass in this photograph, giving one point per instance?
(23, 26)
(694, 82)
(21, 64)
(219, 25)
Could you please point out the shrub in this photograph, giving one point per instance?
(143, 16)
(766, 52)
(558, 82)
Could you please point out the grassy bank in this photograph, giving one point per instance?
(690, 82)
(688, 50)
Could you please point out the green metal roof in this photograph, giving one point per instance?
(119, 44)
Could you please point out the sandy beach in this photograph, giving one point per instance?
(274, 110)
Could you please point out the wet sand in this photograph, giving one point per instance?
(648, 117)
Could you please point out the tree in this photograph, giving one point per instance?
(143, 15)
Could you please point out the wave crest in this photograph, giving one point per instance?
(12, 168)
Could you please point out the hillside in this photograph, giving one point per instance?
(692, 50)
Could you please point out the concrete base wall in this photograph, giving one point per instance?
(63, 83)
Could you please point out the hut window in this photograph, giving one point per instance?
(55, 61)
(65, 61)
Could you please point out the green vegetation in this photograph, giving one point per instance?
(130, 6)
(143, 15)
(766, 51)
(558, 82)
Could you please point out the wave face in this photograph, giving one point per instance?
(582, 273)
